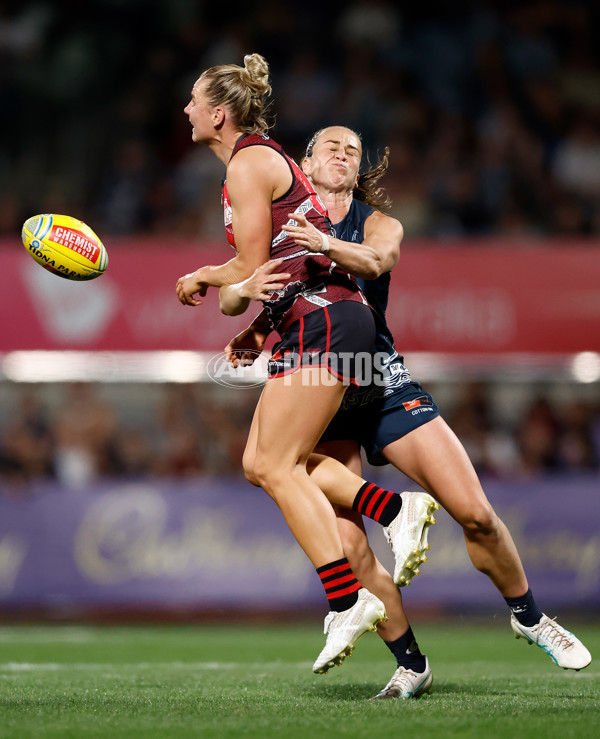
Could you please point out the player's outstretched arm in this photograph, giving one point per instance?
(379, 252)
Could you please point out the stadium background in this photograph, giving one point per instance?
(120, 481)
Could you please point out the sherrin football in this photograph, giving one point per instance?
(64, 246)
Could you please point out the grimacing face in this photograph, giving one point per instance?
(335, 159)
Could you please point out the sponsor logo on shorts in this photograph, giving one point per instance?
(422, 404)
(421, 400)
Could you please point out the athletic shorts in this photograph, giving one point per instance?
(340, 337)
(383, 419)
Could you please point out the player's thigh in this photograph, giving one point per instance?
(433, 457)
(294, 411)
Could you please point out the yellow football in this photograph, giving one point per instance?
(65, 246)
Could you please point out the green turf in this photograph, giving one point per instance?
(205, 681)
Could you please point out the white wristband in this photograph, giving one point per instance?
(324, 243)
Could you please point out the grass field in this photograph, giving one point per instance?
(208, 681)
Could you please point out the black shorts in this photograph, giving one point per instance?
(340, 337)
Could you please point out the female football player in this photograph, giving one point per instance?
(321, 315)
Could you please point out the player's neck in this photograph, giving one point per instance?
(337, 203)
(223, 145)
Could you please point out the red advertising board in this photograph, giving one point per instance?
(481, 298)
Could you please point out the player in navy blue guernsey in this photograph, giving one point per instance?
(321, 315)
(397, 422)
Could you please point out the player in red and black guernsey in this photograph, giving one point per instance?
(319, 312)
(397, 422)
(313, 282)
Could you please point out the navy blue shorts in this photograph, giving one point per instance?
(340, 336)
(381, 419)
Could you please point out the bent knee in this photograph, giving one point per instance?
(264, 470)
(481, 520)
(260, 475)
(251, 477)
(269, 473)
(248, 465)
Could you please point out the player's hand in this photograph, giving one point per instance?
(245, 347)
(304, 233)
(188, 286)
(264, 281)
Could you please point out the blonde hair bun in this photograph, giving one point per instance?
(256, 75)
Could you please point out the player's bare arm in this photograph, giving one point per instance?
(379, 252)
(235, 299)
(252, 184)
(247, 345)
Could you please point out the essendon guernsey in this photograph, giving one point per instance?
(315, 280)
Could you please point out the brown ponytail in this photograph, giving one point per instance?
(368, 190)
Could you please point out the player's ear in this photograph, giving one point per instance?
(218, 116)
(305, 164)
(356, 181)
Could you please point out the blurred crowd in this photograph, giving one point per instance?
(191, 430)
(86, 435)
(491, 110)
(546, 435)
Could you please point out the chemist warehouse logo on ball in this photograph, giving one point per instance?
(250, 372)
(76, 241)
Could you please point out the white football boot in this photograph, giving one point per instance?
(408, 683)
(563, 648)
(344, 629)
(407, 535)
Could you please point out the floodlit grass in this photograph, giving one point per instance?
(232, 681)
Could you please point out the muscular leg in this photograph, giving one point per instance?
(345, 482)
(340, 482)
(432, 456)
(292, 414)
(365, 565)
(290, 418)
(338, 475)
